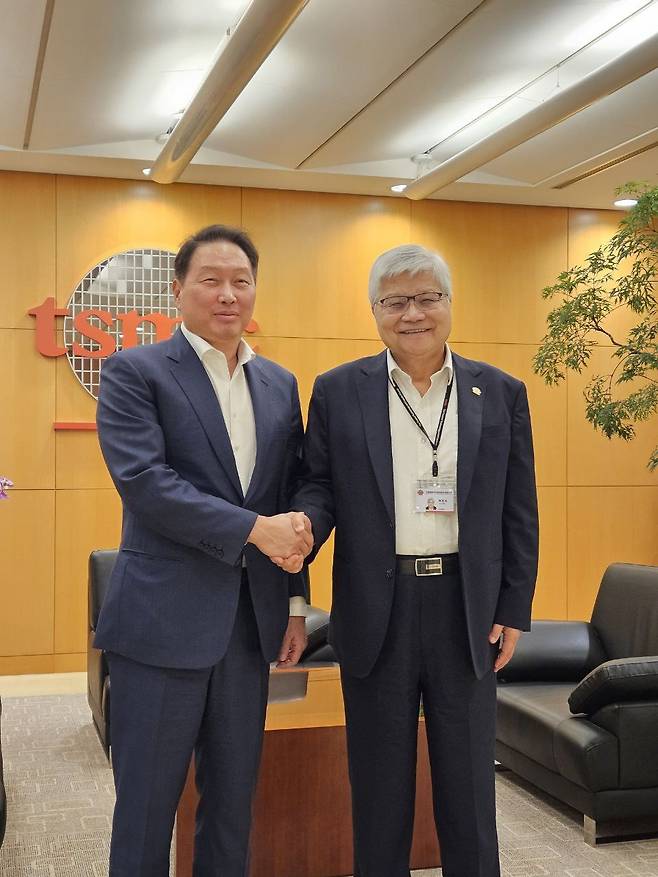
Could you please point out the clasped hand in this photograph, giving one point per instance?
(286, 539)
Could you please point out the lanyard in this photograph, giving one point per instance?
(416, 420)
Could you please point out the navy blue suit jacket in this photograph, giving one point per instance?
(174, 589)
(347, 482)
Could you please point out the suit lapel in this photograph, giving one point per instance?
(187, 369)
(372, 387)
(469, 420)
(262, 405)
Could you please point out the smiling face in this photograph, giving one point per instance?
(414, 336)
(216, 297)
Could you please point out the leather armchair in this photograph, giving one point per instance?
(282, 687)
(3, 796)
(578, 707)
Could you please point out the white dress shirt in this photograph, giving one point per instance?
(422, 533)
(232, 391)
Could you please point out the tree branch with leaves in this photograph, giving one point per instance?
(590, 294)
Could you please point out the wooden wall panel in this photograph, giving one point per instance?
(548, 405)
(73, 663)
(27, 403)
(80, 463)
(588, 230)
(27, 549)
(316, 254)
(20, 665)
(96, 218)
(85, 520)
(306, 358)
(551, 594)
(596, 504)
(595, 459)
(607, 525)
(27, 245)
(500, 256)
(29, 664)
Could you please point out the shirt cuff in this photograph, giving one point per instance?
(297, 606)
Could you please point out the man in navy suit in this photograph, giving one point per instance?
(202, 439)
(422, 460)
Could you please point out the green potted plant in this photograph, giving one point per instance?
(620, 274)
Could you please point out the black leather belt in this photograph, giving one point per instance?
(434, 565)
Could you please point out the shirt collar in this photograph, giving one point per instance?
(447, 366)
(201, 347)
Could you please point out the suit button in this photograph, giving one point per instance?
(391, 525)
(389, 573)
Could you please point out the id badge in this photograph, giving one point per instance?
(436, 495)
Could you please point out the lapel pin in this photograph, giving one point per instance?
(477, 391)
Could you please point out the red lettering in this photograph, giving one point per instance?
(46, 316)
(95, 333)
(164, 326)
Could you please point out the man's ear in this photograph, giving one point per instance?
(176, 289)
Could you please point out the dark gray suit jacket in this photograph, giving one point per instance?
(347, 482)
(175, 586)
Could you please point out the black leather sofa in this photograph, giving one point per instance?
(3, 796)
(578, 707)
(317, 651)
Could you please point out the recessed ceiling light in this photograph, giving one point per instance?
(146, 171)
(626, 202)
(400, 187)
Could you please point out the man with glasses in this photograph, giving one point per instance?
(422, 460)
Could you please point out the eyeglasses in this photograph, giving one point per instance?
(424, 301)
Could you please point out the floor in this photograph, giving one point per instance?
(61, 798)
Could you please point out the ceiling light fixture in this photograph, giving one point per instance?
(239, 57)
(399, 187)
(600, 83)
(626, 203)
(147, 171)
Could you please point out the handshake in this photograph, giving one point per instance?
(286, 539)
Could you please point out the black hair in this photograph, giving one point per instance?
(208, 235)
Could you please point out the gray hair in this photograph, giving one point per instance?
(407, 259)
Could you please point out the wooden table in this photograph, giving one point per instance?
(302, 815)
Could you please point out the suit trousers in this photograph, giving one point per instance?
(425, 658)
(159, 718)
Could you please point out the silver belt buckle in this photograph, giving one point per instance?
(429, 566)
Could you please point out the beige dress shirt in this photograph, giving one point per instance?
(422, 533)
(232, 391)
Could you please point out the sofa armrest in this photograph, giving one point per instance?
(101, 564)
(635, 725)
(617, 681)
(554, 651)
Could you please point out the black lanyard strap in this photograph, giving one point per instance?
(416, 419)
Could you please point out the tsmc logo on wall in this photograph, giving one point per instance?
(123, 301)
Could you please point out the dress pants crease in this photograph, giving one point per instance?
(160, 717)
(425, 658)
